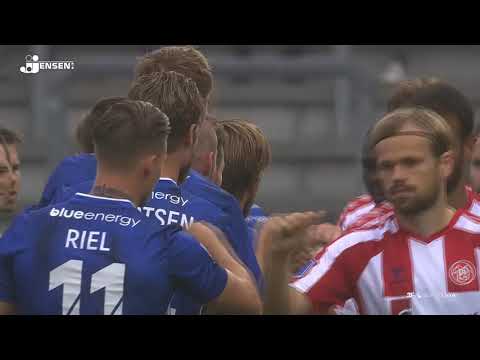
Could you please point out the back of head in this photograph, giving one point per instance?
(83, 132)
(128, 131)
(247, 153)
(439, 96)
(175, 95)
(205, 151)
(423, 122)
(184, 60)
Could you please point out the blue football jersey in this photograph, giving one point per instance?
(256, 216)
(170, 205)
(72, 170)
(235, 227)
(96, 255)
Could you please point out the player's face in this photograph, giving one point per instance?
(9, 178)
(409, 173)
(475, 167)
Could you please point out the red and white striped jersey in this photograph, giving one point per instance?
(390, 271)
(354, 210)
(473, 201)
(363, 211)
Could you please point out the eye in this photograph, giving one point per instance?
(409, 162)
(385, 166)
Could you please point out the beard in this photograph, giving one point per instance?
(413, 203)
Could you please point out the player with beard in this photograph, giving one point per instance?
(456, 109)
(422, 260)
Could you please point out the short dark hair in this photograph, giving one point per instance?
(128, 130)
(185, 60)
(436, 95)
(175, 95)
(83, 133)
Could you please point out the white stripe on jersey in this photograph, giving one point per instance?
(475, 208)
(429, 278)
(336, 249)
(355, 215)
(104, 198)
(468, 225)
(370, 287)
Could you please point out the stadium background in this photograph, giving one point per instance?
(314, 103)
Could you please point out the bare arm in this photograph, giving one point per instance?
(240, 294)
(281, 235)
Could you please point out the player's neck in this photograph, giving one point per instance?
(171, 167)
(458, 198)
(115, 187)
(429, 221)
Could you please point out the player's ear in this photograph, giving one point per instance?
(192, 136)
(468, 147)
(211, 160)
(151, 166)
(447, 164)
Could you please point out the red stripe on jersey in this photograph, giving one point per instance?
(339, 282)
(354, 206)
(397, 266)
(400, 306)
(460, 262)
(376, 217)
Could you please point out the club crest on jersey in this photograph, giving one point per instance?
(462, 272)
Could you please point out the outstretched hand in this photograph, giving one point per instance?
(287, 233)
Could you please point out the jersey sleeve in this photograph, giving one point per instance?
(54, 183)
(342, 218)
(9, 244)
(332, 278)
(192, 267)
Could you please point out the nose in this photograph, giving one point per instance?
(14, 177)
(398, 173)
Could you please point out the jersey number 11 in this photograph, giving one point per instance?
(69, 275)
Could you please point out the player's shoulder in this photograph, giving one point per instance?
(373, 233)
(201, 204)
(360, 201)
(468, 222)
(378, 215)
(77, 160)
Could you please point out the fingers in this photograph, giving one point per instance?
(301, 221)
(323, 234)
